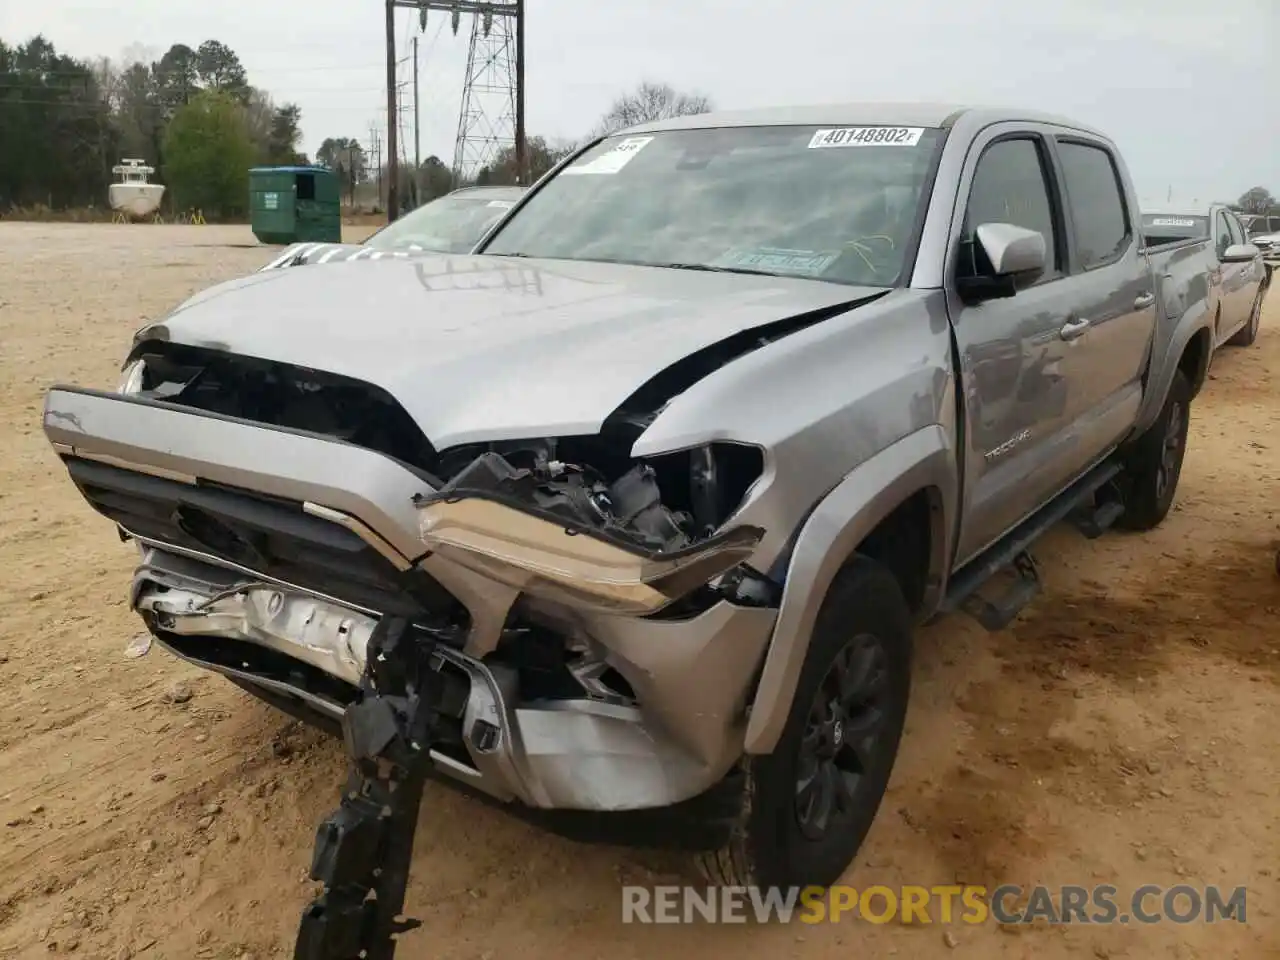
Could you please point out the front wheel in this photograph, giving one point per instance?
(807, 806)
(1154, 465)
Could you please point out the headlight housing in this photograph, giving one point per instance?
(131, 378)
(578, 567)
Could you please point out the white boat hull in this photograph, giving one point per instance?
(136, 199)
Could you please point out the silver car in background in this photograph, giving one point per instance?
(453, 223)
(1237, 275)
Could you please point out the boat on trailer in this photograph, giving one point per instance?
(133, 196)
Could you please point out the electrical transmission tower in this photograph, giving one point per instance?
(487, 120)
(492, 114)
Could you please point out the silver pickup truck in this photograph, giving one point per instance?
(635, 508)
(1214, 240)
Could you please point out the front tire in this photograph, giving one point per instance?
(807, 806)
(1154, 465)
(1247, 334)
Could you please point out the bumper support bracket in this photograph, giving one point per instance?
(364, 849)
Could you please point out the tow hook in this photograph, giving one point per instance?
(364, 849)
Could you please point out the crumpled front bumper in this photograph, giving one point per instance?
(580, 754)
(142, 463)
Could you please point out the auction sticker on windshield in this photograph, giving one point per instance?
(867, 137)
(613, 160)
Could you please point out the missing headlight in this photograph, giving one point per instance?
(564, 531)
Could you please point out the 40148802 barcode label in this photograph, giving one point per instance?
(867, 137)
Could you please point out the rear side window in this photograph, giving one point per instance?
(1096, 202)
(1009, 186)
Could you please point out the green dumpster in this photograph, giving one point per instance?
(295, 204)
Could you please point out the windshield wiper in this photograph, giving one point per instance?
(708, 268)
(705, 267)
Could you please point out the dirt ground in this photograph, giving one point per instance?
(1122, 732)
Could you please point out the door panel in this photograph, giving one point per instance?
(1233, 282)
(1249, 277)
(1111, 285)
(1011, 350)
(1011, 362)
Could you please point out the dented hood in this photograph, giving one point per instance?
(480, 348)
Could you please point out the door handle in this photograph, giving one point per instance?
(1073, 328)
(1144, 300)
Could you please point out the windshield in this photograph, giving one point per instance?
(832, 204)
(444, 225)
(1161, 228)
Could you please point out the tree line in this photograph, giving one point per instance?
(1258, 200)
(66, 122)
(193, 115)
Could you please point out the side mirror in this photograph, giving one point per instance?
(1014, 256)
(1239, 253)
(1013, 251)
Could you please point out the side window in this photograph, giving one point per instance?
(1222, 231)
(1097, 203)
(1237, 232)
(1009, 186)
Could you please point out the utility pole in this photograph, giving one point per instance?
(522, 165)
(393, 192)
(376, 145)
(417, 138)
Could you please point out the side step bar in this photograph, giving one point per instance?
(1013, 551)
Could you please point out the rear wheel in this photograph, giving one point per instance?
(1249, 332)
(807, 806)
(1151, 472)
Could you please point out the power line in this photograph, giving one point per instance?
(495, 73)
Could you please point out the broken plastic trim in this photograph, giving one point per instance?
(572, 565)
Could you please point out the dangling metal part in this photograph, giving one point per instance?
(422, 15)
(457, 20)
(488, 22)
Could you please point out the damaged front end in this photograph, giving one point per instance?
(599, 599)
(564, 533)
(548, 621)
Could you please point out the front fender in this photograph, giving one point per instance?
(922, 460)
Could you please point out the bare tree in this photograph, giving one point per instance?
(651, 101)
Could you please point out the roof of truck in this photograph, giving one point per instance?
(855, 114)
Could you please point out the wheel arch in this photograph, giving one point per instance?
(877, 510)
(1189, 348)
(1193, 361)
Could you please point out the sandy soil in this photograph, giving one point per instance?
(1122, 732)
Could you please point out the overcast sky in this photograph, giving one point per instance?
(1188, 88)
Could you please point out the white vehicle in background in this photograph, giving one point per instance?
(1264, 233)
